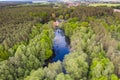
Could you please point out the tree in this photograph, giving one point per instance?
(54, 15)
(61, 17)
(101, 69)
(36, 75)
(113, 77)
(63, 76)
(53, 70)
(76, 65)
(3, 53)
(67, 16)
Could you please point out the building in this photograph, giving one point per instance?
(70, 4)
(116, 10)
(40, 1)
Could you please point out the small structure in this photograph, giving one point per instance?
(116, 10)
(56, 24)
(40, 1)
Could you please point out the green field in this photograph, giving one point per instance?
(104, 4)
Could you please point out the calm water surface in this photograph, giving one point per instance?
(60, 46)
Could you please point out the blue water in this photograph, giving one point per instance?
(60, 46)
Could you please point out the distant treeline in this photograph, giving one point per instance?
(9, 3)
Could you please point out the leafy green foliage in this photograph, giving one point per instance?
(28, 57)
(69, 27)
(114, 77)
(36, 30)
(26, 42)
(106, 33)
(48, 73)
(76, 65)
(3, 53)
(119, 46)
(36, 75)
(62, 76)
(102, 68)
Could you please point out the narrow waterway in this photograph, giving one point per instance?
(60, 45)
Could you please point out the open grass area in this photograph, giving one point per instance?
(104, 4)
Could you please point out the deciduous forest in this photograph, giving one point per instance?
(26, 43)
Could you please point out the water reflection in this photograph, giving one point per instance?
(60, 46)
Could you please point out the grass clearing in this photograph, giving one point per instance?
(104, 4)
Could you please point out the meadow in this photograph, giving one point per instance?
(104, 4)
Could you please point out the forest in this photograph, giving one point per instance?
(26, 43)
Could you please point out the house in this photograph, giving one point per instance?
(116, 10)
